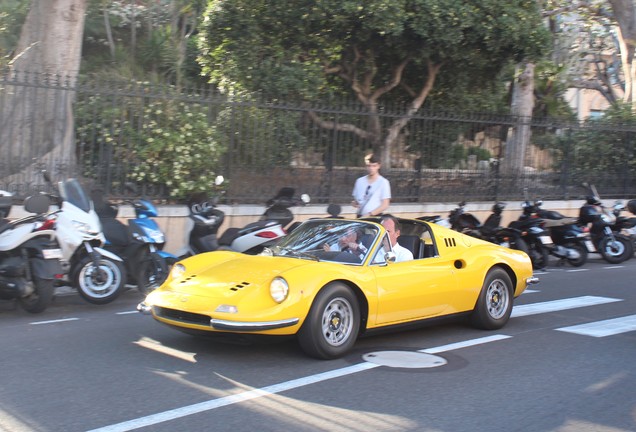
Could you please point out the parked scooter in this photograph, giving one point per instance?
(98, 275)
(571, 243)
(613, 246)
(627, 225)
(29, 255)
(205, 220)
(538, 239)
(278, 208)
(140, 243)
(491, 230)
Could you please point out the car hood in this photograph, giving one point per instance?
(209, 275)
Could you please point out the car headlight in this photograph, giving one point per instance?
(177, 270)
(279, 289)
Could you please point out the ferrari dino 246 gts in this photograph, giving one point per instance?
(309, 286)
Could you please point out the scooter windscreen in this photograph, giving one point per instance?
(71, 190)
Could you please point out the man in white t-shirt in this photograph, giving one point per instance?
(372, 192)
(392, 227)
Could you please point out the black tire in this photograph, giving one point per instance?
(494, 304)
(332, 325)
(517, 243)
(101, 284)
(40, 298)
(153, 271)
(539, 255)
(616, 252)
(581, 249)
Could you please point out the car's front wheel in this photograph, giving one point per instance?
(494, 304)
(331, 327)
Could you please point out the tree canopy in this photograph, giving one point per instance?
(375, 50)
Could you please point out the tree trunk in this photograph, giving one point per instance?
(36, 117)
(522, 106)
(625, 15)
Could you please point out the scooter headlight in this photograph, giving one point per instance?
(177, 271)
(279, 289)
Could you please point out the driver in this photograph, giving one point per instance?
(348, 242)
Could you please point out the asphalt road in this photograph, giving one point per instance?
(565, 362)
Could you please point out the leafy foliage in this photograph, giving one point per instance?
(601, 147)
(161, 141)
(285, 51)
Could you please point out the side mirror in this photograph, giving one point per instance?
(390, 257)
(305, 198)
(47, 176)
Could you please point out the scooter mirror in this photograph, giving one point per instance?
(305, 198)
(219, 180)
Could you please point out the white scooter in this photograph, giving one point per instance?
(97, 274)
(205, 220)
(29, 254)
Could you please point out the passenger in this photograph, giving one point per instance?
(392, 227)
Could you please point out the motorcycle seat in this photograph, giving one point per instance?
(549, 223)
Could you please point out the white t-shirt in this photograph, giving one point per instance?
(370, 195)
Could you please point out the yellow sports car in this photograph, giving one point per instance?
(331, 280)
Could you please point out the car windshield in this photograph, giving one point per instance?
(336, 240)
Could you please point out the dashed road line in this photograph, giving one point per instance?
(54, 321)
(559, 305)
(604, 328)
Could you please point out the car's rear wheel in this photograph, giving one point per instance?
(333, 322)
(494, 305)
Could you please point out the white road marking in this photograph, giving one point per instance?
(464, 344)
(269, 390)
(604, 328)
(577, 270)
(54, 321)
(128, 312)
(558, 305)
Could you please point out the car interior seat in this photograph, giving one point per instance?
(412, 243)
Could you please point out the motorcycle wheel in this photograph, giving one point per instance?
(538, 255)
(615, 252)
(152, 273)
(100, 284)
(581, 249)
(40, 298)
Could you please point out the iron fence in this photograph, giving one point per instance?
(439, 157)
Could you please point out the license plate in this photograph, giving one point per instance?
(52, 253)
(546, 240)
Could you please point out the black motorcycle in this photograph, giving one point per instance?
(571, 243)
(532, 230)
(491, 230)
(613, 246)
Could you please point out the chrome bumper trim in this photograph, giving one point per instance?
(532, 280)
(144, 308)
(218, 324)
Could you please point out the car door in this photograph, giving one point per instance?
(412, 290)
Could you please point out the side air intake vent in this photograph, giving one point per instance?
(450, 242)
(239, 286)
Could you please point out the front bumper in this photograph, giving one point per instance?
(219, 324)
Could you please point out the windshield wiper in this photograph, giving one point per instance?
(300, 254)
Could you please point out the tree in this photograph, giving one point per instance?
(379, 51)
(50, 45)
